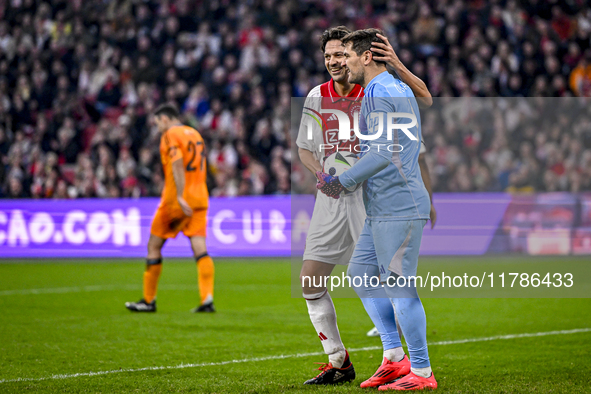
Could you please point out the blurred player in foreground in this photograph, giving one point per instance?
(335, 224)
(183, 207)
(397, 206)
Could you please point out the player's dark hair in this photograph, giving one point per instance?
(167, 109)
(361, 41)
(334, 33)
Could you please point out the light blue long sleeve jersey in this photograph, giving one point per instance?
(394, 188)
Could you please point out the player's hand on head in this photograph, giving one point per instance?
(187, 210)
(384, 51)
(329, 185)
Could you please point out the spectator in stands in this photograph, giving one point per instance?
(83, 77)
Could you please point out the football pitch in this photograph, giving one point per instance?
(64, 329)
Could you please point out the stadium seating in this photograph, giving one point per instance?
(78, 79)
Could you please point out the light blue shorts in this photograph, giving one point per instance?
(392, 246)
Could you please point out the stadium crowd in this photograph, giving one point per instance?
(78, 80)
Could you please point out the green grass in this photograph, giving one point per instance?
(82, 326)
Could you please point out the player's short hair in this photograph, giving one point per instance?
(334, 33)
(362, 39)
(167, 109)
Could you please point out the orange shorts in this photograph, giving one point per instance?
(168, 222)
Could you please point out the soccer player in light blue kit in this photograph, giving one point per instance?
(397, 206)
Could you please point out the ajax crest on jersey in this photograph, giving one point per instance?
(339, 162)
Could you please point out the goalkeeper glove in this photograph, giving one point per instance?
(329, 185)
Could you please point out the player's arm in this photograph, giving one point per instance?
(307, 158)
(377, 156)
(386, 53)
(427, 181)
(375, 160)
(175, 155)
(178, 174)
(305, 141)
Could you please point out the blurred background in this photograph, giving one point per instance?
(79, 78)
(508, 143)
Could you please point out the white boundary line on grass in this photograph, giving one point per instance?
(297, 355)
(80, 289)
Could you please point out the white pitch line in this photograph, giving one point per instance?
(63, 290)
(80, 289)
(512, 336)
(297, 355)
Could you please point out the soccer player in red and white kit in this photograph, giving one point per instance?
(336, 224)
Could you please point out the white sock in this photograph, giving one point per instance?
(422, 372)
(394, 355)
(324, 319)
(337, 359)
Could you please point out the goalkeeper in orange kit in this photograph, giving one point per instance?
(183, 207)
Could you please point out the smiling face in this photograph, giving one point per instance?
(354, 66)
(333, 60)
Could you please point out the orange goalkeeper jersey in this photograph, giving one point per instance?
(184, 142)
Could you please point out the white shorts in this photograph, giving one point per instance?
(334, 228)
